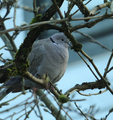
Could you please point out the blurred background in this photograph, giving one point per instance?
(77, 72)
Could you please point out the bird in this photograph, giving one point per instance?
(48, 56)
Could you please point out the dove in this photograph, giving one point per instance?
(48, 56)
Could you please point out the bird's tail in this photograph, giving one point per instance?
(11, 85)
(4, 92)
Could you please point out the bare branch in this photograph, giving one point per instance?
(85, 86)
(99, 7)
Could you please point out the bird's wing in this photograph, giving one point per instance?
(36, 56)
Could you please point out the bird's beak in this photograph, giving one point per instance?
(70, 45)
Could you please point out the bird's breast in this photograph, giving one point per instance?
(58, 54)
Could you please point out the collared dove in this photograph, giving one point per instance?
(48, 56)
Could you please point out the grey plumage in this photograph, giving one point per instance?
(48, 56)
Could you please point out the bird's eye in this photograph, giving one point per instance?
(62, 39)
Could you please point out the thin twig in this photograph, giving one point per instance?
(14, 18)
(22, 28)
(34, 7)
(12, 116)
(3, 47)
(28, 113)
(91, 39)
(60, 14)
(40, 114)
(110, 111)
(88, 66)
(98, 7)
(110, 69)
(59, 105)
(49, 105)
(81, 111)
(96, 69)
(78, 9)
(18, 105)
(108, 64)
(27, 8)
(100, 92)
